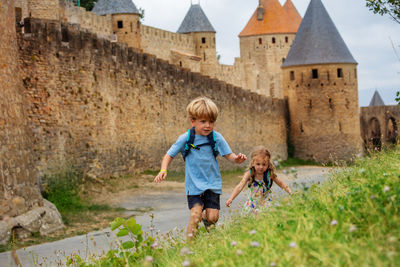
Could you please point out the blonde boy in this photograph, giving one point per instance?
(203, 184)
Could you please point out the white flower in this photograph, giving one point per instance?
(386, 189)
(293, 244)
(276, 163)
(284, 171)
(273, 264)
(186, 263)
(239, 252)
(254, 244)
(233, 243)
(185, 251)
(334, 222)
(352, 228)
(148, 259)
(252, 232)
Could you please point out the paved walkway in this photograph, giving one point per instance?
(169, 209)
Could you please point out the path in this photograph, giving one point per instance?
(169, 209)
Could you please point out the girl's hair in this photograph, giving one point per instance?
(261, 152)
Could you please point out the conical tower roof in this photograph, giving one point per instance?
(376, 100)
(274, 21)
(317, 40)
(110, 7)
(292, 16)
(195, 21)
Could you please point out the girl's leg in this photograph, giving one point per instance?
(195, 218)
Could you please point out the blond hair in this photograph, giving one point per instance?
(261, 152)
(202, 107)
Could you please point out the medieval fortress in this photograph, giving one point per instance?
(106, 94)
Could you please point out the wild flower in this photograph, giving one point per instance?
(154, 245)
(148, 259)
(334, 222)
(273, 264)
(233, 243)
(186, 251)
(293, 244)
(386, 189)
(254, 244)
(352, 228)
(373, 197)
(239, 252)
(186, 263)
(252, 232)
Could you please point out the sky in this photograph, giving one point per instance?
(373, 40)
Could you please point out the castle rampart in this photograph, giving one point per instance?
(160, 42)
(380, 125)
(114, 110)
(19, 190)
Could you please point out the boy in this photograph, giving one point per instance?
(203, 184)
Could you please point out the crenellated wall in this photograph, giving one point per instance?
(19, 189)
(160, 42)
(114, 111)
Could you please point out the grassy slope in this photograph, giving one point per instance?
(351, 221)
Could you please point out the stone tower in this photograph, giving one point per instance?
(125, 20)
(264, 44)
(320, 80)
(197, 24)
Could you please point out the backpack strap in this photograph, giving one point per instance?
(268, 182)
(213, 143)
(189, 143)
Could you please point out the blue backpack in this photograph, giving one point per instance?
(190, 143)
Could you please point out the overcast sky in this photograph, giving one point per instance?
(371, 38)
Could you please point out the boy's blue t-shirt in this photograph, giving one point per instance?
(201, 167)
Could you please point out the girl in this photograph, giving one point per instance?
(260, 176)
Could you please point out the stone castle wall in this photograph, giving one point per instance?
(112, 110)
(19, 190)
(382, 122)
(324, 113)
(160, 42)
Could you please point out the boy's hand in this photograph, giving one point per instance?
(240, 158)
(228, 203)
(160, 177)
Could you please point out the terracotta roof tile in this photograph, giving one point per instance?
(292, 16)
(274, 20)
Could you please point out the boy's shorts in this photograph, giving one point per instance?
(209, 200)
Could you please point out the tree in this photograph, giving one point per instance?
(88, 4)
(383, 7)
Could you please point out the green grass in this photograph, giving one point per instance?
(352, 220)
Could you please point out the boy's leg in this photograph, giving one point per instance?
(195, 217)
(211, 208)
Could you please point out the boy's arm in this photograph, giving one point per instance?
(282, 185)
(238, 189)
(239, 158)
(164, 167)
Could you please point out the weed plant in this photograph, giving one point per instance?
(352, 220)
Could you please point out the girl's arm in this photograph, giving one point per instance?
(239, 158)
(164, 167)
(282, 185)
(238, 189)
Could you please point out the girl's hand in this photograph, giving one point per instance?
(228, 203)
(240, 158)
(160, 177)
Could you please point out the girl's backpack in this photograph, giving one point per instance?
(190, 143)
(267, 181)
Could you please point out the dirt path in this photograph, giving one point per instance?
(168, 207)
